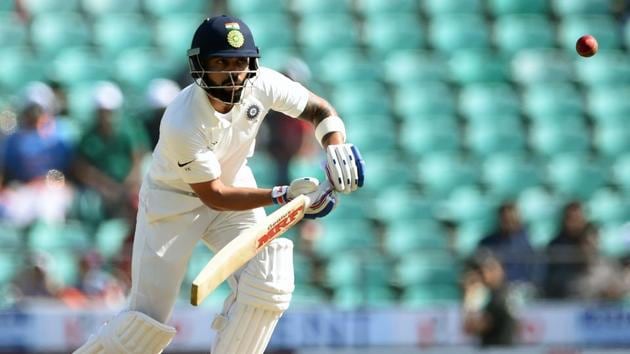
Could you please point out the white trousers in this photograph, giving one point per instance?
(169, 226)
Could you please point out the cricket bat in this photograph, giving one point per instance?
(245, 246)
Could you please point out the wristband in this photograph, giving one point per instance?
(278, 194)
(329, 125)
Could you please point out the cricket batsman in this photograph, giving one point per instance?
(199, 187)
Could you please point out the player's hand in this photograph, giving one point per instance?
(345, 167)
(322, 196)
(323, 201)
(284, 194)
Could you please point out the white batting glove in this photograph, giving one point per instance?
(322, 196)
(345, 167)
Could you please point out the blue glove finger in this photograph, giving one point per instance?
(360, 165)
(327, 209)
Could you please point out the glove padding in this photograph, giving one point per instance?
(344, 167)
(322, 196)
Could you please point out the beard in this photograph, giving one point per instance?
(227, 95)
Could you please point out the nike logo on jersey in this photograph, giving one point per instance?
(185, 163)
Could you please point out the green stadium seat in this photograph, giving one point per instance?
(506, 176)
(552, 100)
(345, 66)
(87, 205)
(541, 66)
(620, 173)
(384, 169)
(368, 98)
(277, 58)
(426, 268)
(421, 138)
(377, 8)
(440, 173)
(174, 33)
(10, 265)
(13, 32)
(71, 236)
(608, 104)
(164, 8)
(537, 204)
(38, 7)
(468, 236)
(51, 33)
(493, 99)
(573, 176)
(399, 32)
(19, 65)
(134, 68)
(375, 137)
(110, 237)
(448, 33)
(602, 27)
(271, 30)
(446, 7)
(79, 65)
(487, 139)
(115, 33)
(244, 8)
(401, 68)
(467, 204)
(397, 202)
(563, 8)
(613, 240)
(549, 140)
(430, 296)
(320, 8)
(354, 297)
(407, 236)
(626, 34)
(302, 269)
(612, 140)
(477, 66)
(344, 236)
(307, 296)
(64, 267)
(514, 33)
(416, 100)
(265, 169)
(509, 7)
(11, 237)
(97, 8)
(318, 35)
(9, 6)
(608, 207)
(352, 206)
(541, 232)
(607, 68)
(305, 166)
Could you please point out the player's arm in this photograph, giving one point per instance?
(344, 166)
(216, 195)
(316, 110)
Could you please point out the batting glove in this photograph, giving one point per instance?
(345, 167)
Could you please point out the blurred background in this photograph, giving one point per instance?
(497, 190)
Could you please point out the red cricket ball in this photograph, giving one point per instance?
(586, 45)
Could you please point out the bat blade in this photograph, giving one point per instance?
(244, 247)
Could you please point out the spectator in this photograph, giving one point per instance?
(487, 309)
(34, 281)
(160, 93)
(510, 244)
(34, 163)
(108, 155)
(288, 137)
(568, 253)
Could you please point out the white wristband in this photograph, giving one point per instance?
(329, 125)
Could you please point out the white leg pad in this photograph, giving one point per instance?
(129, 332)
(263, 294)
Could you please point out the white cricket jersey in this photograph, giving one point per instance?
(198, 144)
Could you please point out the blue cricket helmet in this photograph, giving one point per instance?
(221, 36)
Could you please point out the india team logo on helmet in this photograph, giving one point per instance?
(226, 37)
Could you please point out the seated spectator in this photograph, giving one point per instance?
(576, 269)
(34, 162)
(510, 244)
(34, 281)
(160, 93)
(486, 304)
(109, 156)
